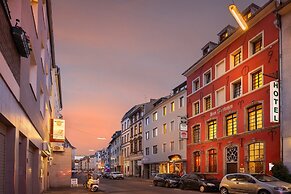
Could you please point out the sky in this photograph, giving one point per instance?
(114, 54)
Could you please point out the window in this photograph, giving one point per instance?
(231, 124)
(172, 146)
(256, 158)
(172, 106)
(207, 77)
(147, 151)
(147, 121)
(256, 44)
(155, 116)
(257, 80)
(33, 74)
(212, 128)
(172, 126)
(207, 103)
(41, 102)
(220, 97)
(181, 147)
(140, 128)
(220, 69)
(147, 135)
(195, 85)
(255, 117)
(181, 101)
(196, 133)
(236, 89)
(155, 132)
(197, 161)
(237, 58)
(140, 145)
(135, 130)
(196, 108)
(164, 111)
(164, 147)
(34, 8)
(155, 149)
(164, 128)
(212, 160)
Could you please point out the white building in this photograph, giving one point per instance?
(164, 147)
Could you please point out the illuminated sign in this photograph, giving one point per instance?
(274, 102)
(58, 129)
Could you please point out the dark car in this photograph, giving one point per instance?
(201, 182)
(166, 180)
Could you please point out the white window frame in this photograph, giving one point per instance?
(208, 71)
(231, 57)
(193, 89)
(204, 104)
(250, 77)
(232, 87)
(216, 69)
(216, 99)
(250, 43)
(155, 116)
(147, 135)
(155, 132)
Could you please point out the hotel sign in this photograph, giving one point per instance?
(58, 129)
(274, 102)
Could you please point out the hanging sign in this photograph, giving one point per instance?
(274, 102)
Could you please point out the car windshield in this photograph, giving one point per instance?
(172, 176)
(265, 178)
(206, 177)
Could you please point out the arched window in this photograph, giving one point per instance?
(256, 157)
(197, 161)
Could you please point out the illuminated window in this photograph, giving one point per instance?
(255, 117)
(197, 161)
(140, 128)
(212, 129)
(155, 116)
(164, 111)
(196, 134)
(257, 79)
(256, 158)
(207, 103)
(212, 160)
(196, 108)
(155, 132)
(257, 45)
(172, 106)
(237, 58)
(231, 124)
(164, 128)
(147, 135)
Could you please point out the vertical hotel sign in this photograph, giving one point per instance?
(58, 130)
(274, 102)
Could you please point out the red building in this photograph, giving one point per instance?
(228, 98)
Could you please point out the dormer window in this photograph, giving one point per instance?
(208, 48)
(225, 33)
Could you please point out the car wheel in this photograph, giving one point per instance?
(223, 190)
(167, 185)
(201, 188)
(264, 192)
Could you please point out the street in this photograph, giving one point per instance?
(128, 185)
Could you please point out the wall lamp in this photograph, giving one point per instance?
(238, 17)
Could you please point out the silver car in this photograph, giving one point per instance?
(253, 184)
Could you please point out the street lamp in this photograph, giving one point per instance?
(238, 17)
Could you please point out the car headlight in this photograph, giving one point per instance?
(210, 184)
(280, 189)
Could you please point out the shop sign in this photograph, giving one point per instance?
(274, 102)
(183, 134)
(183, 127)
(57, 147)
(58, 129)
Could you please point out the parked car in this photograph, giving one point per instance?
(106, 175)
(201, 182)
(253, 184)
(116, 175)
(166, 180)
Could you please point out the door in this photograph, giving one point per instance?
(231, 159)
(2, 159)
(29, 177)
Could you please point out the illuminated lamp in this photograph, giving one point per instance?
(238, 17)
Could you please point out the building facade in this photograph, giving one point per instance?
(115, 163)
(26, 64)
(164, 149)
(131, 137)
(228, 99)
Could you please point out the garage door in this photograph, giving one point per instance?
(2, 158)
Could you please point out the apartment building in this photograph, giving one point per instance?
(131, 139)
(115, 151)
(164, 148)
(27, 63)
(232, 124)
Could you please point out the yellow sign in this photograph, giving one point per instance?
(59, 129)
